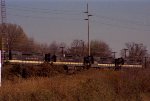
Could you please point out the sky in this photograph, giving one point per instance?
(115, 22)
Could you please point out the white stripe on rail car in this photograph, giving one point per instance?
(72, 63)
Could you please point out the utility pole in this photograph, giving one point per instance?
(88, 16)
(145, 59)
(62, 50)
(3, 12)
(3, 22)
(82, 48)
(125, 53)
(114, 54)
(145, 63)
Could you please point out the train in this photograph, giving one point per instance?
(68, 59)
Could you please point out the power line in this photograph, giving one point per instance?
(121, 26)
(122, 20)
(103, 17)
(47, 11)
(41, 9)
(71, 12)
(43, 17)
(75, 19)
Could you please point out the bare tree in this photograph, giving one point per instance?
(100, 48)
(54, 47)
(136, 51)
(62, 48)
(77, 48)
(15, 38)
(44, 48)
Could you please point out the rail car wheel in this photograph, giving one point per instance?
(66, 68)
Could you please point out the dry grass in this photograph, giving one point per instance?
(89, 85)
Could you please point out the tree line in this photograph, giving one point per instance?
(15, 39)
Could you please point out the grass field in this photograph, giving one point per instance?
(87, 85)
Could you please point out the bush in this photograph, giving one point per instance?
(89, 85)
(25, 71)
